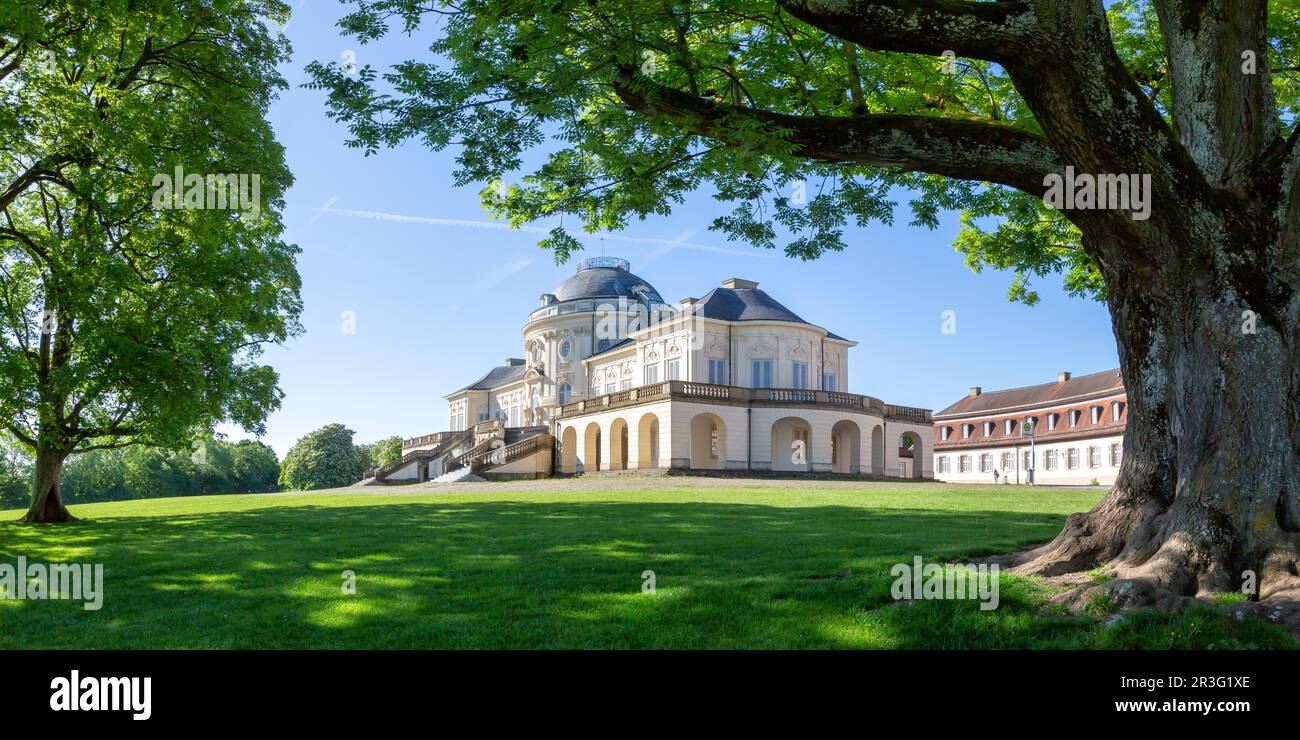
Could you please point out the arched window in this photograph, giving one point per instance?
(566, 390)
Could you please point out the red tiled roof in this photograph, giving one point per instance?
(1096, 384)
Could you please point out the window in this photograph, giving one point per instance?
(988, 428)
(717, 371)
(483, 416)
(566, 349)
(565, 392)
(611, 388)
(1051, 421)
(1027, 460)
(1006, 461)
(651, 374)
(944, 432)
(828, 381)
(1049, 459)
(602, 345)
(1072, 458)
(625, 385)
(1010, 426)
(761, 373)
(942, 463)
(1096, 414)
(1116, 454)
(673, 370)
(1116, 410)
(1074, 417)
(1094, 457)
(963, 464)
(986, 463)
(799, 375)
(966, 430)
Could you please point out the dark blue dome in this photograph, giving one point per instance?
(606, 277)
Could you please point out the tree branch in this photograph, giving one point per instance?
(963, 149)
(993, 31)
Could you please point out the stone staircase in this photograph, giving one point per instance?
(459, 475)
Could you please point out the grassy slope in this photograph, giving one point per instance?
(735, 568)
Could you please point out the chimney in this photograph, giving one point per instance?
(688, 302)
(1062, 376)
(975, 390)
(514, 361)
(735, 283)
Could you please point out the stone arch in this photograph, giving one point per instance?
(708, 442)
(792, 444)
(569, 450)
(911, 456)
(877, 450)
(618, 441)
(591, 448)
(648, 441)
(846, 447)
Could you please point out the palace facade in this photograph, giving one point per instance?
(613, 377)
(1069, 432)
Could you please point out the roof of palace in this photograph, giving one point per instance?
(1103, 383)
(496, 377)
(606, 277)
(746, 304)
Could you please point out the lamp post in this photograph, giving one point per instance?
(1027, 430)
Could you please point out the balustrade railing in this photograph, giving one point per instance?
(733, 394)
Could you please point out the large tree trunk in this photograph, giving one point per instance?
(47, 506)
(1208, 496)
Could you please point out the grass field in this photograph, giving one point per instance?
(750, 565)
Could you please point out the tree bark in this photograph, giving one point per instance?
(1208, 496)
(47, 505)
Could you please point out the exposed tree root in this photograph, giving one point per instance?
(1154, 555)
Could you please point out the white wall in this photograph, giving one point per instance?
(1105, 473)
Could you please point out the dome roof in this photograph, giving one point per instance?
(606, 277)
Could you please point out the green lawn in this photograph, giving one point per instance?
(738, 567)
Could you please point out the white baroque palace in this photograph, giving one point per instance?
(615, 378)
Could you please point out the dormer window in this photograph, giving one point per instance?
(1096, 414)
(1116, 410)
(988, 428)
(1074, 418)
(1051, 421)
(967, 430)
(1010, 426)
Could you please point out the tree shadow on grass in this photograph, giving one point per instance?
(510, 574)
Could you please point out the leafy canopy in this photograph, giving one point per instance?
(530, 85)
(326, 458)
(122, 322)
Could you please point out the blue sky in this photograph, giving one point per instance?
(440, 293)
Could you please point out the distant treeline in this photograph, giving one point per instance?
(326, 457)
(211, 466)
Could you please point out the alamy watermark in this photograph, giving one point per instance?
(53, 582)
(1084, 191)
(224, 192)
(947, 581)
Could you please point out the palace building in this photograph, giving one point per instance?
(614, 378)
(1069, 432)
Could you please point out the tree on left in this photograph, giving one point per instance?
(141, 266)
